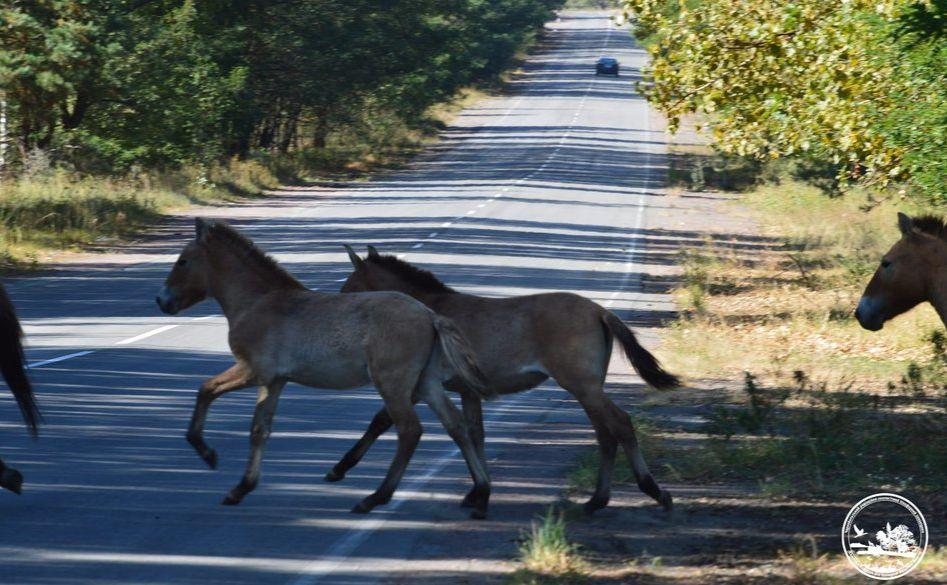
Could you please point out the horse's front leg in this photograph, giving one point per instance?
(381, 423)
(266, 402)
(235, 377)
(10, 478)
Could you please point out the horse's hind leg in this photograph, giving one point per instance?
(401, 410)
(381, 423)
(608, 448)
(259, 433)
(433, 393)
(10, 478)
(235, 377)
(473, 414)
(618, 423)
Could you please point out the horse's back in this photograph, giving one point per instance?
(522, 339)
(331, 340)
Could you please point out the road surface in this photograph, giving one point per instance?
(553, 186)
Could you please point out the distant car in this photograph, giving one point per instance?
(606, 66)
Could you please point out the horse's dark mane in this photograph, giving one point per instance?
(413, 275)
(931, 224)
(251, 255)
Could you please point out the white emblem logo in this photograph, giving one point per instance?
(891, 538)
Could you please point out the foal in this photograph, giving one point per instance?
(521, 342)
(913, 271)
(282, 332)
(11, 366)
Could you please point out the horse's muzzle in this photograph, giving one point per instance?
(166, 301)
(868, 316)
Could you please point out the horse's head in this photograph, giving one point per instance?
(187, 284)
(901, 280)
(367, 274)
(387, 272)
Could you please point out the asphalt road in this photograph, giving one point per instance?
(555, 186)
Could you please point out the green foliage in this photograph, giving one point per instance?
(858, 85)
(105, 86)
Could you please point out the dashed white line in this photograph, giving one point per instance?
(145, 335)
(61, 358)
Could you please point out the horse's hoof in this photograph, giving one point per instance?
(334, 476)
(594, 505)
(478, 514)
(666, 501)
(12, 480)
(469, 500)
(210, 458)
(362, 508)
(231, 500)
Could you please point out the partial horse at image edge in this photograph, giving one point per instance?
(913, 271)
(12, 366)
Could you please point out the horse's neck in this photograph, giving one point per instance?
(939, 291)
(234, 287)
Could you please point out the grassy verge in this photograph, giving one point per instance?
(824, 406)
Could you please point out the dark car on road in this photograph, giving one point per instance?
(606, 66)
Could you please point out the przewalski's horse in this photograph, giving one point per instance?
(12, 367)
(521, 342)
(914, 270)
(281, 332)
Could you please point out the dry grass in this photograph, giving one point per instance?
(55, 210)
(788, 306)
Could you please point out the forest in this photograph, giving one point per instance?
(107, 86)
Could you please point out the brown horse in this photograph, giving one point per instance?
(521, 342)
(12, 367)
(281, 332)
(914, 270)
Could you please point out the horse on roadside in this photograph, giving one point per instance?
(282, 332)
(12, 363)
(521, 342)
(913, 271)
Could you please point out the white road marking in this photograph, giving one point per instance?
(61, 358)
(328, 563)
(145, 335)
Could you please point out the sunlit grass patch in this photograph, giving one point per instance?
(547, 554)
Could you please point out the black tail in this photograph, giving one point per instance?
(12, 360)
(644, 363)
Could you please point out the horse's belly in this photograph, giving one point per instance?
(327, 369)
(507, 383)
(330, 378)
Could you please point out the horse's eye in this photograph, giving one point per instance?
(182, 262)
(885, 263)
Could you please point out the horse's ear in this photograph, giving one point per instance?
(905, 224)
(355, 258)
(373, 252)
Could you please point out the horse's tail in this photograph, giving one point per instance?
(460, 356)
(647, 366)
(12, 360)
